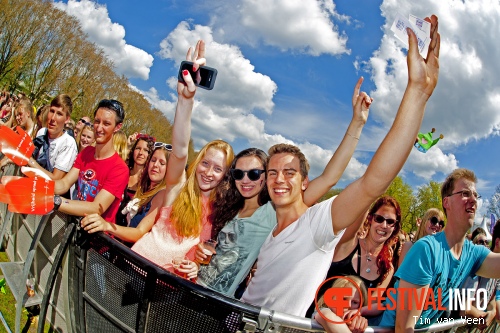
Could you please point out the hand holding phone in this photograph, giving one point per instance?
(204, 77)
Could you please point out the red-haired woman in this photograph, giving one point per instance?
(372, 257)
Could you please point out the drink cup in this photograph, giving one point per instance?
(176, 263)
(30, 287)
(208, 248)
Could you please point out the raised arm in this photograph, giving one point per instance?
(335, 168)
(395, 148)
(181, 130)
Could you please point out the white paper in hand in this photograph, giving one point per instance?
(399, 28)
(425, 27)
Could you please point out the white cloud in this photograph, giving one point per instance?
(229, 110)
(465, 105)
(295, 25)
(94, 19)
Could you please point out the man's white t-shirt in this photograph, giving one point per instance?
(292, 265)
(62, 152)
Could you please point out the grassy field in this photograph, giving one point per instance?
(8, 307)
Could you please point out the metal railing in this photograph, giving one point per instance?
(93, 283)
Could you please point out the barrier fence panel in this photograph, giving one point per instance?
(103, 286)
(116, 290)
(123, 292)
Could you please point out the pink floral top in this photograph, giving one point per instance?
(162, 243)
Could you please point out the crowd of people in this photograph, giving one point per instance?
(275, 243)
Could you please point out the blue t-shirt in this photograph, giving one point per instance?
(430, 262)
(238, 245)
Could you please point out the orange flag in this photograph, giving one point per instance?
(18, 147)
(28, 195)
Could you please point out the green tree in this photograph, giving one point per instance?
(330, 193)
(403, 193)
(43, 52)
(429, 196)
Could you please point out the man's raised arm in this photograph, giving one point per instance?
(395, 148)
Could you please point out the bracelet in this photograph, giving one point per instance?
(352, 136)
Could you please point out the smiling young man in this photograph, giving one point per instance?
(295, 257)
(101, 174)
(443, 261)
(56, 149)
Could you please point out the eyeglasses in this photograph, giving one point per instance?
(380, 219)
(253, 174)
(167, 146)
(434, 220)
(467, 194)
(482, 242)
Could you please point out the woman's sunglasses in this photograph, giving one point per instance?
(86, 123)
(380, 219)
(482, 242)
(253, 174)
(434, 220)
(167, 146)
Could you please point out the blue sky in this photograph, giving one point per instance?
(287, 70)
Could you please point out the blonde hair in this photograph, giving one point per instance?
(345, 283)
(120, 144)
(25, 105)
(187, 209)
(422, 230)
(85, 127)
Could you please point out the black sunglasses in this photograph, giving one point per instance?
(482, 242)
(84, 122)
(167, 146)
(114, 105)
(434, 220)
(380, 219)
(253, 174)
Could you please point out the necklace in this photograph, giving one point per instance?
(368, 258)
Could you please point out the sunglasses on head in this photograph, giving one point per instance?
(253, 174)
(380, 219)
(167, 146)
(84, 122)
(145, 137)
(434, 220)
(114, 105)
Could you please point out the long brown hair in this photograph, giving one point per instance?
(228, 200)
(144, 193)
(386, 258)
(187, 209)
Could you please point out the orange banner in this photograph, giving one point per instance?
(18, 147)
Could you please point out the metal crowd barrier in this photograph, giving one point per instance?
(31, 243)
(93, 283)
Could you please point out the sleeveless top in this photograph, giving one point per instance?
(344, 268)
(162, 243)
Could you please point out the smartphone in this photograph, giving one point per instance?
(204, 77)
